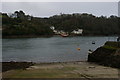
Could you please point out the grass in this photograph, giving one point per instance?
(113, 44)
(110, 47)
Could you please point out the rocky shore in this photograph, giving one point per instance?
(108, 55)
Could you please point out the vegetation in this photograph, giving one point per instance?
(90, 24)
(113, 44)
(109, 47)
(20, 24)
(24, 25)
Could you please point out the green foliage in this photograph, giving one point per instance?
(89, 23)
(28, 25)
(23, 26)
(113, 44)
(109, 47)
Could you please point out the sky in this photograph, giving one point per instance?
(46, 9)
(60, 0)
(119, 9)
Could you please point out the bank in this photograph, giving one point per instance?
(107, 55)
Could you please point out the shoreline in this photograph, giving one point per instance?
(26, 36)
(43, 62)
(49, 36)
(49, 63)
(63, 70)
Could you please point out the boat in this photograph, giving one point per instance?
(93, 42)
(64, 35)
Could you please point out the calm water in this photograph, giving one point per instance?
(54, 49)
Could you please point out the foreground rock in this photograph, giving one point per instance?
(108, 55)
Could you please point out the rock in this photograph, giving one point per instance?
(106, 55)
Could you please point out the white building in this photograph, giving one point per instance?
(58, 31)
(78, 31)
(52, 27)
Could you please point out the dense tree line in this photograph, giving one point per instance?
(22, 25)
(90, 24)
(28, 25)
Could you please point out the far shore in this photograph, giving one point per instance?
(49, 36)
(27, 36)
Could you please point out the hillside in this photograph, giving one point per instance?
(20, 24)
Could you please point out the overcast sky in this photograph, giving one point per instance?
(46, 9)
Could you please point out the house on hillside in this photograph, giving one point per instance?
(53, 29)
(58, 32)
(78, 31)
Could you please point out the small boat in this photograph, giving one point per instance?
(64, 35)
(93, 42)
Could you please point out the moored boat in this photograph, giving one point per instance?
(64, 35)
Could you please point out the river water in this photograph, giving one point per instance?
(54, 49)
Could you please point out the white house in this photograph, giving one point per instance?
(52, 27)
(78, 31)
(58, 31)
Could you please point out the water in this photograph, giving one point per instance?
(54, 49)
